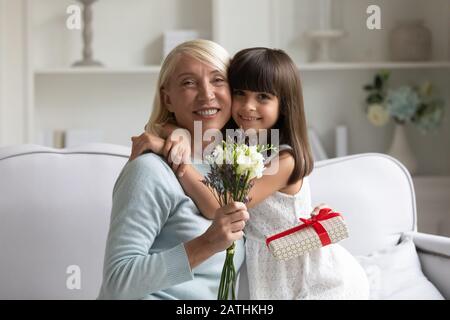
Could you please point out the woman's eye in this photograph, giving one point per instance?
(219, 80)
(188, 82)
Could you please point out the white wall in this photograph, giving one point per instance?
(119, 105)
(128, 35)
(13, 73)
(2, 94)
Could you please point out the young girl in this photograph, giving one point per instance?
(267, 94)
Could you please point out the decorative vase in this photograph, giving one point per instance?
(400, 149)
(410, 41)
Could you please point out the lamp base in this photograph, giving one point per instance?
(87, 63)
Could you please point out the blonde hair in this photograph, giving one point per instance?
(205, 51)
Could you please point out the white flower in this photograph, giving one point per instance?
(229, 154)
(250, 161)
(246, 160)
(378, 115)
(217, 155)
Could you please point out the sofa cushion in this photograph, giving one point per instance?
(55, 207)
(395, 273)
(374, 193)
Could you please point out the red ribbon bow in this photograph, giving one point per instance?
(314, 221)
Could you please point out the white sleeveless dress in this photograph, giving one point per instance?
(330, 272)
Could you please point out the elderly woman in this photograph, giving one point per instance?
(159, 246)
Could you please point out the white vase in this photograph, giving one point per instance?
(400, 149)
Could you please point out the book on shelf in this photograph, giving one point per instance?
(59, 138)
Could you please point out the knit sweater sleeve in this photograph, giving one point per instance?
(142, 203)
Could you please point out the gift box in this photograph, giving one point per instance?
(320, 230)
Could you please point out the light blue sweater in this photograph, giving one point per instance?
(151, 218)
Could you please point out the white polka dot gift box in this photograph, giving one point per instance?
(320, 230)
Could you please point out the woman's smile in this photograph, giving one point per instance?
(207, 113)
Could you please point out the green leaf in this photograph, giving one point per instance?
(385, 75)
(374, 98)
(378, 82)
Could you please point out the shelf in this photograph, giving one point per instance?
(151, 70)
(435, 179)
(373, 65)
(154, 69)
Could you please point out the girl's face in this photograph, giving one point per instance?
(254, 110)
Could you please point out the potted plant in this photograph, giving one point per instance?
(414, 104)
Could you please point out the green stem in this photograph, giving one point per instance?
(233, 282)
(225, 296)
(243, 191)
(228, 277)
(222, 283)
(237, 189)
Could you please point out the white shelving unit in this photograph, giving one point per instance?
(439, 65)
(117, 99)
(154, 70)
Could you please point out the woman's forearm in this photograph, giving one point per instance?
(193, 186)
(197, 251)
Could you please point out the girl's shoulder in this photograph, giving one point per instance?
(283, 151)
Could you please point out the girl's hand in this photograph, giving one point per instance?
(177, 151)
(316, 210)
(145, 142)
(227, 226)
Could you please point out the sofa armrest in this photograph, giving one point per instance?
(434, 255)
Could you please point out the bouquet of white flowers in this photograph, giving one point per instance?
(233, 168)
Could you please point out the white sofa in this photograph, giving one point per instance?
(55, 207)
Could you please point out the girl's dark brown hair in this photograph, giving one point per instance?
(273, 71)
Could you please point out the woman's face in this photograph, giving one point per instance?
(255, 110)
(197, 91)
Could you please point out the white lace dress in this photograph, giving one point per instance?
(327, 273)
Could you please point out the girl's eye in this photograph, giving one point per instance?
(263, 96)
(238, 92)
